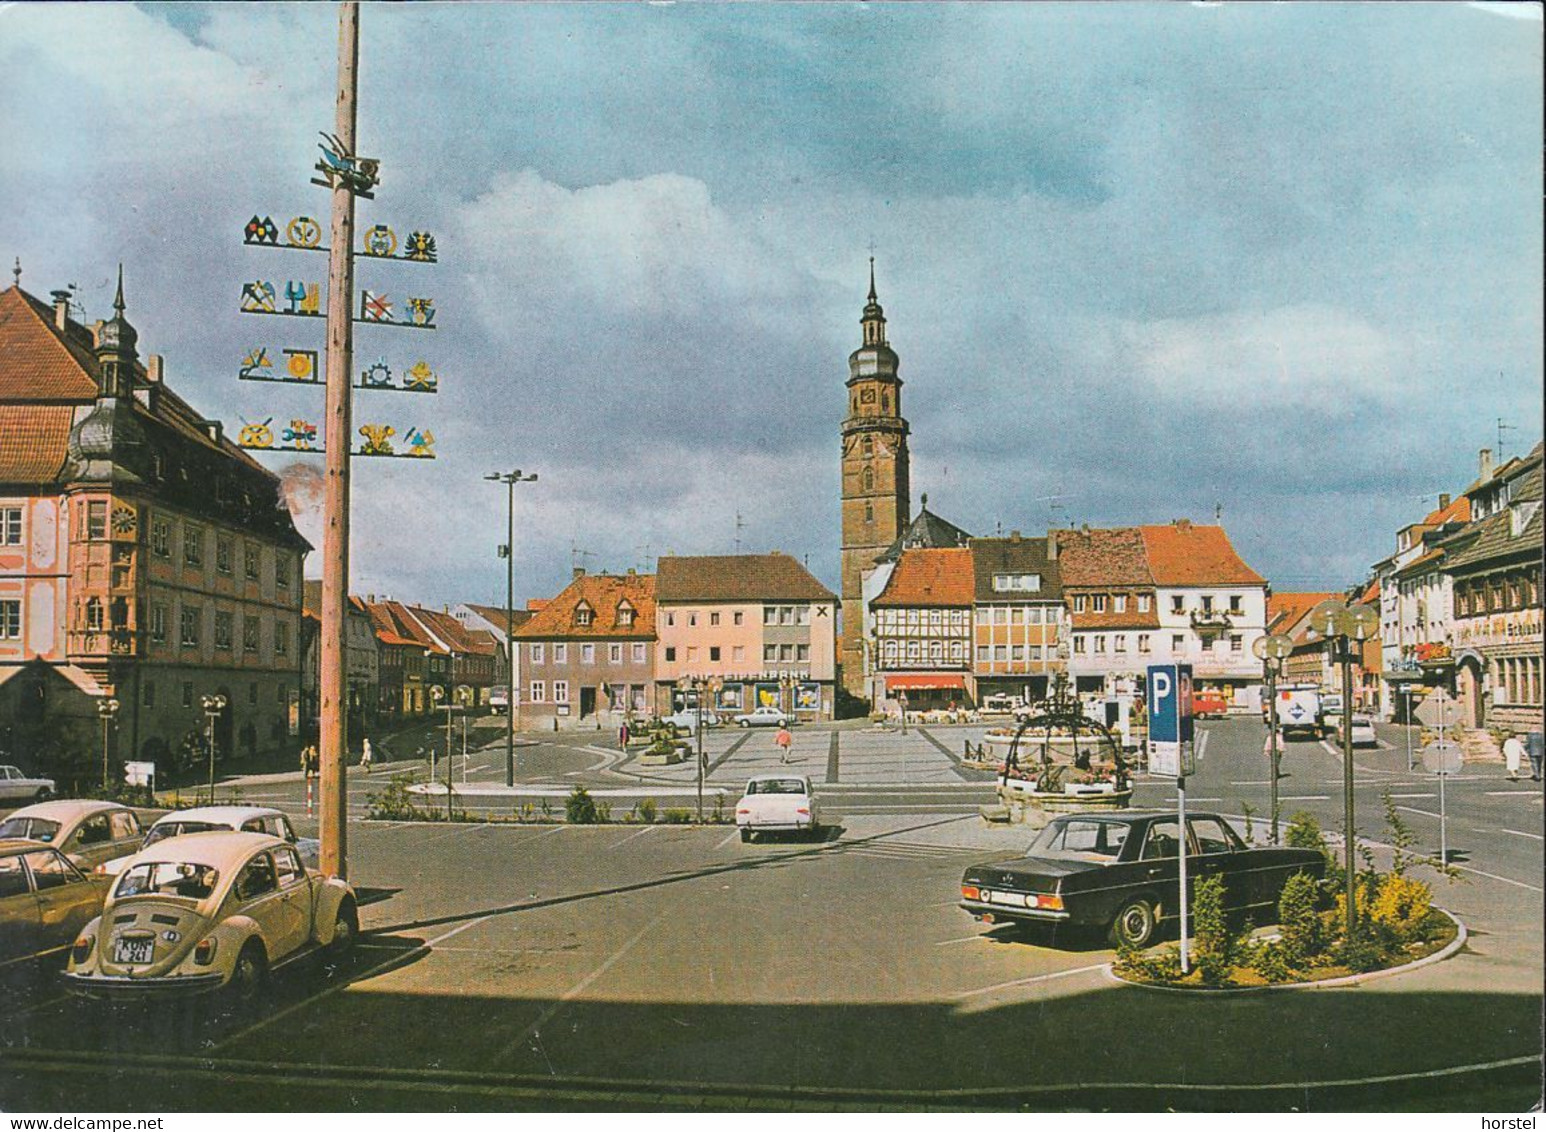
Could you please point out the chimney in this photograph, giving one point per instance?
(61, 308)
(1484, 463)
(632, 572)
(579, 572)
(1014, 536)
(154, 366)
(1052, 546)
(1181, 524)
(1443, 500)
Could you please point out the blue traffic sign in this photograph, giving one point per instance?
(1170, 703)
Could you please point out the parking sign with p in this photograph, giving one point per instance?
(1170, 717)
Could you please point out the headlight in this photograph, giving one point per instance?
(204, 953)
(82, 949)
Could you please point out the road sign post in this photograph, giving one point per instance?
(1169, 689)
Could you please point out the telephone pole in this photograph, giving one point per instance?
(339, 430)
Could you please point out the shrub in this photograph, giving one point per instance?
(1363, 896)
(719, 817)
(394, 803)
(1213, 943)
(1162, 966)
(677, 816)
(1299, 919)
(603, 812)
(1271, 961)
(580, 807)
(646, 810)
(1304, 832)
(1401, 907)
(1361, 953)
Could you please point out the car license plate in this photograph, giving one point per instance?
(1011, 899)
(133, 950)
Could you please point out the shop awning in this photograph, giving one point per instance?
(926, 681)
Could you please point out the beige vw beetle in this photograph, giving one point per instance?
(209, 910)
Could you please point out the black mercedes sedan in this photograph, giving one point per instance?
(1121, 872)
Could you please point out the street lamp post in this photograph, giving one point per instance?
(213, 705)
(107, 709)
(507, 552)
(1272, 651)
(1342, 625)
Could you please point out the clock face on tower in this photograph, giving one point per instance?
(124, 520)
(867, 396)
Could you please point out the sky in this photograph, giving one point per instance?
(1279, 264)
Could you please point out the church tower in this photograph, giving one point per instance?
(876, 500)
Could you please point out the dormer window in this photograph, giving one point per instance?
(624, 614)
(583, 614)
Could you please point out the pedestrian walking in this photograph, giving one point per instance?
(783, 739)
(365, 757)
(622, 736)
(1513, 755)
(1535, 747)
(311, 762)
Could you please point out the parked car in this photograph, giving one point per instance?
(198, 913)
(764, 716)
(87, 832)
(499, 700)
(687, 719)
(18, 787)
(777, 803)
(1209, 705)
(44, 901)
(1363, 732)
(210, 819)
(1119, 872)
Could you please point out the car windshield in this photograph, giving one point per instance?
(30, 829)
(167, 878)
(1084, 837)
(776, 786)
(162, 830)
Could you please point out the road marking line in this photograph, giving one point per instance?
(1415, 810)
(579, 988)
(1522, 833)
(728, 839)
(1304, 797)
(1495, 876)
(963, 939)
(1202, 745)
(427, 945)
(1027, 982)
(1430, 795)
(631, 836)
(1508, 794)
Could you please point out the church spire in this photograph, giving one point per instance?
(874, 320)
(116, 340)
(118, 303)
(872, 279)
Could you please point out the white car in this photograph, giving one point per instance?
(17, 787)
(1363, 732)
(764, 716)
(86, 831)
(199, 913)
(777, 803)
(214, 819)
(687, 719)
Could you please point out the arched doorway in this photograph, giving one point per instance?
(1468, 692)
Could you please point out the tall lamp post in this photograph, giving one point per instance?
(107, 709)
(449, 695)
(1344, 626)
(507, 552)
(213, 704)
(1272, 651)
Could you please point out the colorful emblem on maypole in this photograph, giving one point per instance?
(422, 312)
(303, 232)
(375, 307)
(260, 230)
(301, 365)
(258, 435)
(301, 435)
(377, 375)
(377, 439)
(344, 170)
(258, 297)
(381, 242)
(256, 359)
(421, 378)
(421, 247)
(421, 443)
(305, 298)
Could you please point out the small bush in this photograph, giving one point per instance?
(580, 807)
(1213, 943)
(1162, 966)
(1361, 953)
(1299, 919)
(1401, 907)
(603, 812)
(646, 810)
(394, 803)
(677, 816)
(1272, 962)
(719, 817)
(1304, 832)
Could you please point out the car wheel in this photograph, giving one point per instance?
(43, 794)
(746, 723)
(1134, 925)
(250, 973)
(346, 926)
(746, 836)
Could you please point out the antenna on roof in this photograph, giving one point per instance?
(1218, 512)
(1054, 505)
(577, 556)
(1502, 426)
(739, 525)
(649, 562)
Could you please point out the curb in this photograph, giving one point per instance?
(1443, 953)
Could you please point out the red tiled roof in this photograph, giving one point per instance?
(395, 626)
(1185, 554)
(37, 362)
(1458, 511)
(736, 577)
(453, 634)
(496, 615)
(34, 441)
(1284, 611)
(1102, 557)
(930, 578)
(602, 593)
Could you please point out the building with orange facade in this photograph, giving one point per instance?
(145, 560)
(923, 631)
